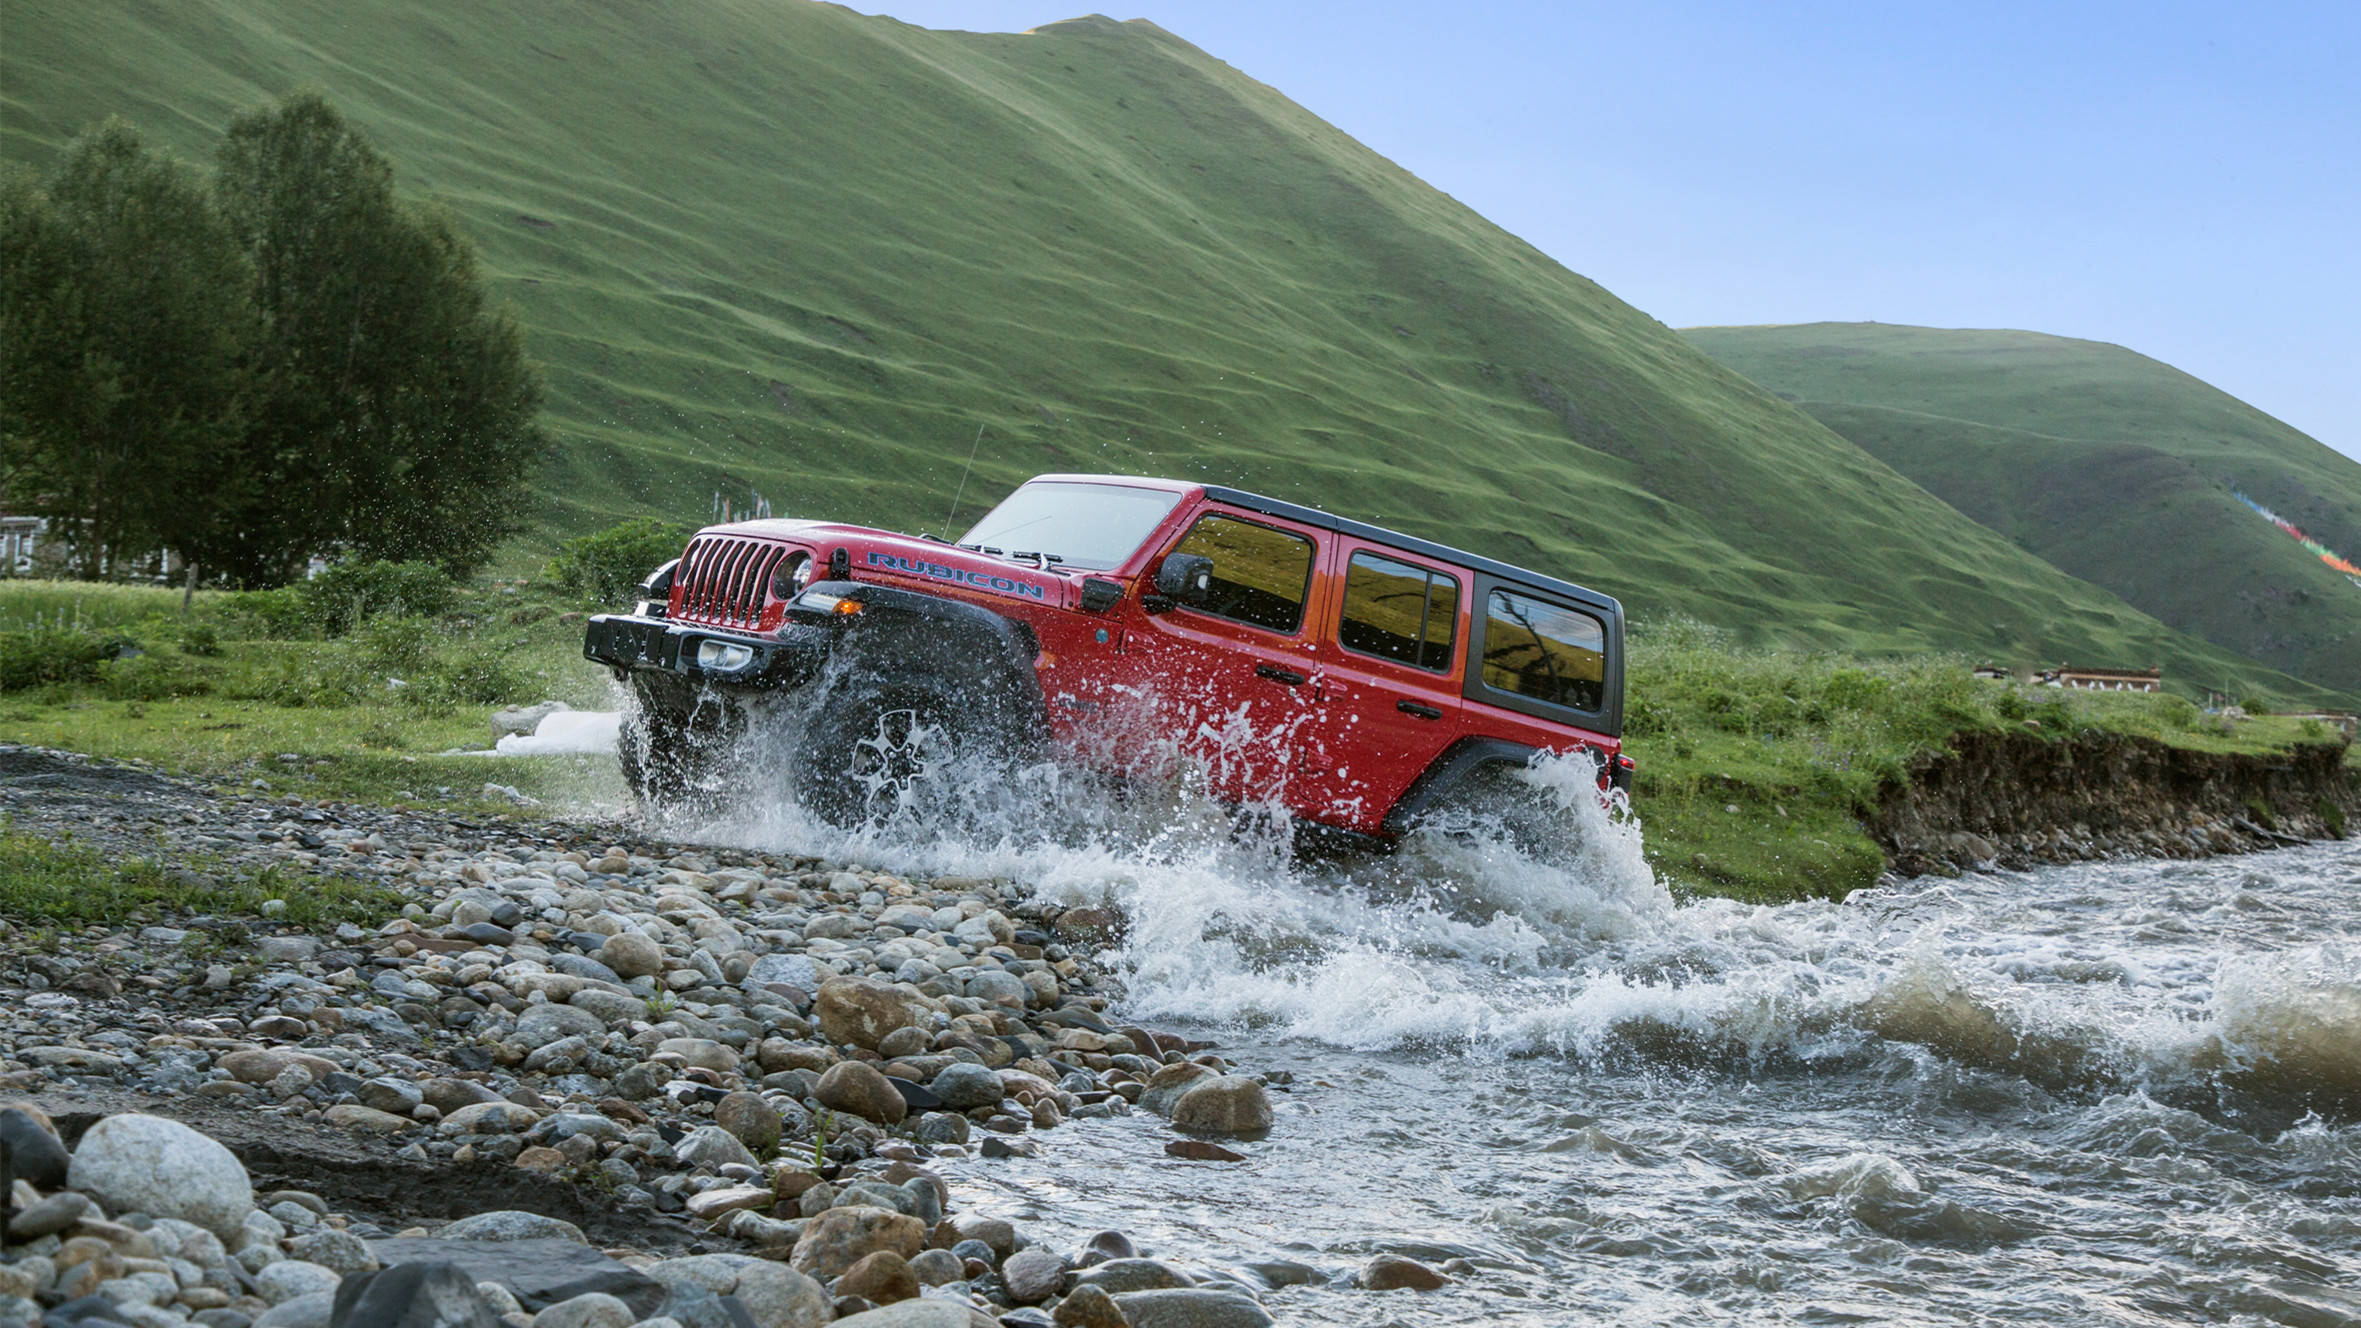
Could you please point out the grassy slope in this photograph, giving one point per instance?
(2109, 465)
(780, 246)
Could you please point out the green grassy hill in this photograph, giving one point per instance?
(2113, 467)
(767, 245)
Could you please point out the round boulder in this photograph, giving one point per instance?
(863, 1090)
(1167, 1084)
(1226, 1104)
(881, 1277)
(841, 1237)
(1033, 1275)
(964, 1087)
(861, 1011)
(754, 1121)
(146, 1164)
(632, 955)
(1392, 1272)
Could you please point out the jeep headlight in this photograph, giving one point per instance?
(793, 575)
(723, 656)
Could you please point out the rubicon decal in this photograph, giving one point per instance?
(1006, 585)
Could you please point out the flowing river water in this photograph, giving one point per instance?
(2122, 1093)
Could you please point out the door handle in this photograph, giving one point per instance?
(1414, 708)
(1279, 675)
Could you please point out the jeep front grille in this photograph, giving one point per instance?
(726, 580)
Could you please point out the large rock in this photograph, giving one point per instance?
(596, 1309)
(541, 1025)
(632, 955)
(33, 1152)
(964, 1087)
(862, 1011)
(1117, 1276)
(863, 1090)
(1191, 1309)
(780, 1297)
(1392, 1272)
(754, 1121)
(539, 1272)
(1033, 1275)
(1226, 1104)
(287, 1279)
(509, 1224)
(713, 1147)
(412, 1295)
(1168, 1083)
(1089, 1307)
(146, 1164)
(880, 1277)
(841, 1237)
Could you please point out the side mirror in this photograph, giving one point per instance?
(1185, 578)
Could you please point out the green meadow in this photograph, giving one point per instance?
(789, 250)
(2113, 467)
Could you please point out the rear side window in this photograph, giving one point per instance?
(1398, 611)
(1545, 651)
(1260, 575)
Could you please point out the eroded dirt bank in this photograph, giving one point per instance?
(2018, 799)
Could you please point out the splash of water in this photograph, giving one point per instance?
(1538, 929)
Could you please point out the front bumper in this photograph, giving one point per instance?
(629, 644)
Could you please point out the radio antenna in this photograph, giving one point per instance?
(963, 473)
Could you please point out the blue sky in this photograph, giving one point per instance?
(2181, 179)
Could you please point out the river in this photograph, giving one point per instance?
(2124, 1093)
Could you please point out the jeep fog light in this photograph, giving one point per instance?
(723, 657)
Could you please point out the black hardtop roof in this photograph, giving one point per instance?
(1312, 516)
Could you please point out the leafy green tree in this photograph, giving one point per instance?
(395, 407)
(125, 326)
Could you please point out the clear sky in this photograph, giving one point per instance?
(2182, 179)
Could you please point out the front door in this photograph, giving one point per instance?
(1229, 683)
(1389, 689)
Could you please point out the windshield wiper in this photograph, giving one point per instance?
(1040, 559)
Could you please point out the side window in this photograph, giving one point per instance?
(1397, 611)
(1538, 649)
(1260, 575)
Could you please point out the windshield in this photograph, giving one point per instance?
(1089, 526)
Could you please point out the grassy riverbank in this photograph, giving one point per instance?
(1756, 766)
(242, 689)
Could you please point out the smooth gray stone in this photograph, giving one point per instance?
(539, 1273)
(412, 1295)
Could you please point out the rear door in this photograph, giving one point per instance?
(1391, 656)
(1229, 682)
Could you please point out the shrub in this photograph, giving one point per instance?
(603, 568)
(202, 639)
(49, 653)
(138, 677)
(278, 615)
(348, 594)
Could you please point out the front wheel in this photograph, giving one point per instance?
(869, 758)
(669, 759)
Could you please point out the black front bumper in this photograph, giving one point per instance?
(630, 644)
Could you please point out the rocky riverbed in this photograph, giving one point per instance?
(582, 1078)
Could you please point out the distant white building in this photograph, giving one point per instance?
(20, 543)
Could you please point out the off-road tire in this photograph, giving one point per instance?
(669, 761)
(869, 755)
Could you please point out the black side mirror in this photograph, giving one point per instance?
(1185, 578)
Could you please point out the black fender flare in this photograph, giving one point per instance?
(1458, 761)
(965, 654)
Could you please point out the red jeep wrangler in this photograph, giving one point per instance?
(1353, 675)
